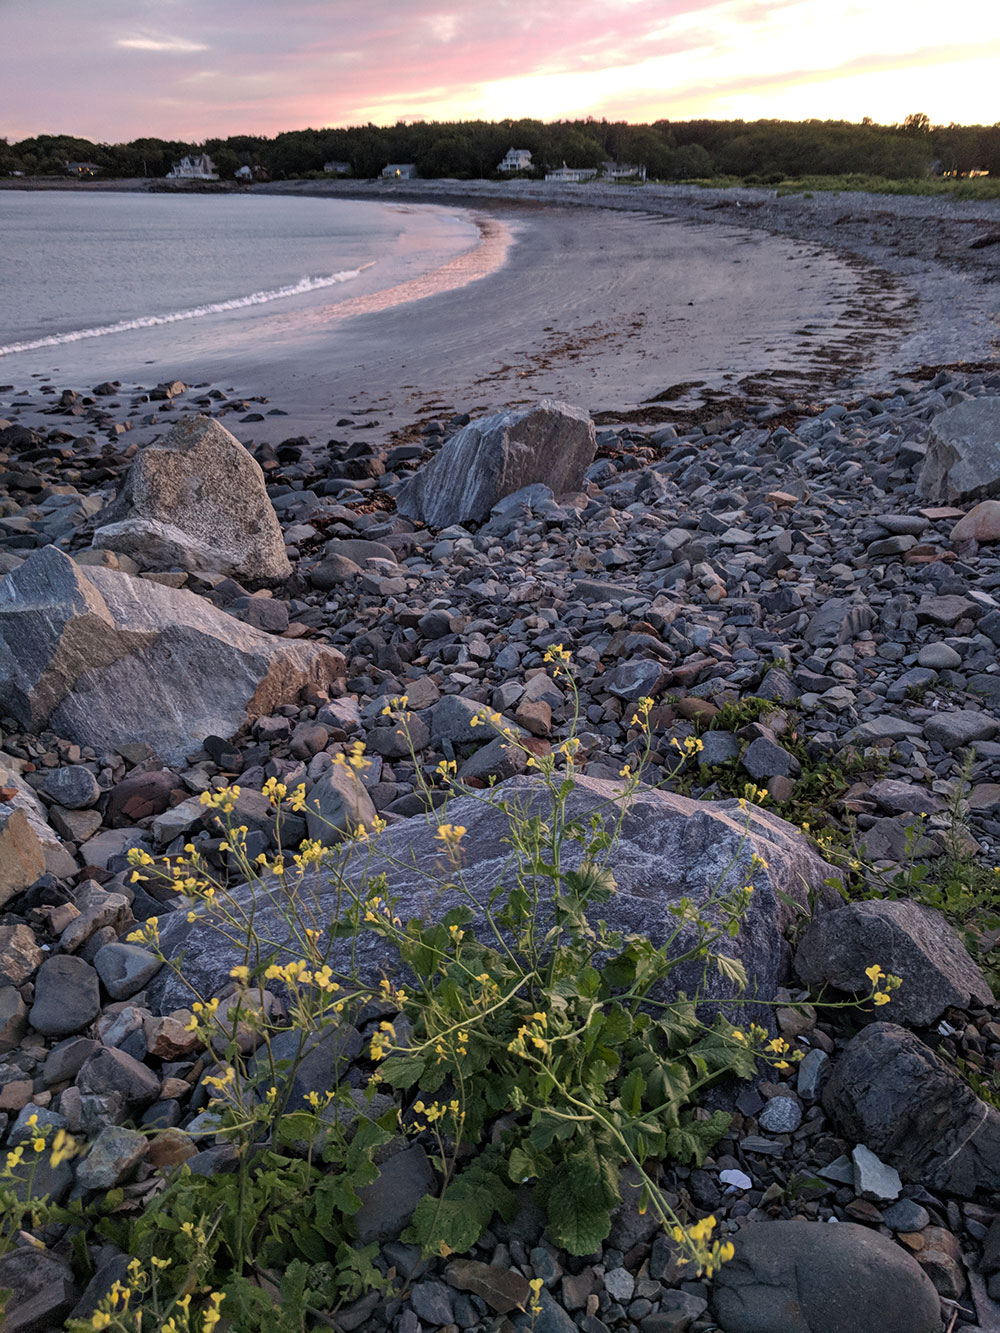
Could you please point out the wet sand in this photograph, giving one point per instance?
(648, 305)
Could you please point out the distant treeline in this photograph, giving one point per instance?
(670, 150)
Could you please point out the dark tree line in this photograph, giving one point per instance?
(762, 149)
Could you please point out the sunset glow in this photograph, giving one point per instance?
(188, 69)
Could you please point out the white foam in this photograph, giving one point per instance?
(299, 288)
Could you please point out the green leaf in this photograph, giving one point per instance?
(402, 1071)
(632, 1090)
(692, 1140)
(577, 1220)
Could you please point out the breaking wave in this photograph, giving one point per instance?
(195, 312)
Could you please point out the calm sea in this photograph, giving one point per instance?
(102, 284)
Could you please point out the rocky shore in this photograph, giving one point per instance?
(813, 595)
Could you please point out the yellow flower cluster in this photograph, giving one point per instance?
(354, 758)
(708, 1254)
(776, 1050)
(451, 835)
(559, 658)
(224, 799)
(395, 706)
(388, 993)
(487, 715)
(535, 1287)
(202, 1014)
(532, 1033)
(63, 1146)
(642, 711)
(382, 1040)
(298, 974)
(689, 746)
(276, 792)
(882, 984)
(434, 1112)
(446, 769)
(752, 795)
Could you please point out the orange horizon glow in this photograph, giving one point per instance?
(191, 71)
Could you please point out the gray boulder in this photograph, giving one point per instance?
(805, 1277)
(552, 443)
(58, 859)
(670, 847)
(913, 942)
(107, 660)
(891, 1093)
(198, 500)
(963, 453)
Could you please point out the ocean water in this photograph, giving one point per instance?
(102, 284)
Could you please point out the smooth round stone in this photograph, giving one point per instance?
(125, 969)
(939, 657)
(781, 1115)
(74, 787)
(67, 996)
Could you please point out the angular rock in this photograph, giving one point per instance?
(198, 500)
(110, 1072)
(838, 620)
(109, 660)
(502, 1289)
(41, 1290)
(963, 453)
(13, 1019)
(873, 1180)
(125, 969)
(336, 804)
(904, 938)
(112, 1158)
(22, 860)
(74, 787)
(670, 847)
(67, 996)
(388, 1203)
(891, 1093)
(804, 1277)
(552, 443)
(960, 727)
(58, 859)
(20, 956)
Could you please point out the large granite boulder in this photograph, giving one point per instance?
(891, 1092)
(963, 453)
(670, 848)
(913, 942)
(552, 443)
(198, 500)
(106, 660)
(804, 1277)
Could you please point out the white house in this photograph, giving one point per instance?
(400, 171)
(622, 171)
(244, 173)
(200, 168)
(337, 168)
(517, 159)
(568, 175)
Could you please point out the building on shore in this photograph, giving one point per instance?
(517, 159)
(244, 173)
(80, 169)
(400, 171)
(623, 171)
(193, 168)
(338, 168)
(569, 175)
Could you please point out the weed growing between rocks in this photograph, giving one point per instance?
(539, 1046)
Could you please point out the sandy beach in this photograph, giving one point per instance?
(643, 306)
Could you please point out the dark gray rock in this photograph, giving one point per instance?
(74, 787)
(805, 1277)
(41, 1290)
(838, 620)
(904, 938)
(961, 727)
(489, 459)
(108, 660)
(67, 996)
(766, 759)
(125, 969)
(109, 1072)
(388, 1203)
(112, 1158)
(891, 1093)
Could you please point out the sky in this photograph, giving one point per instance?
(115, 70)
